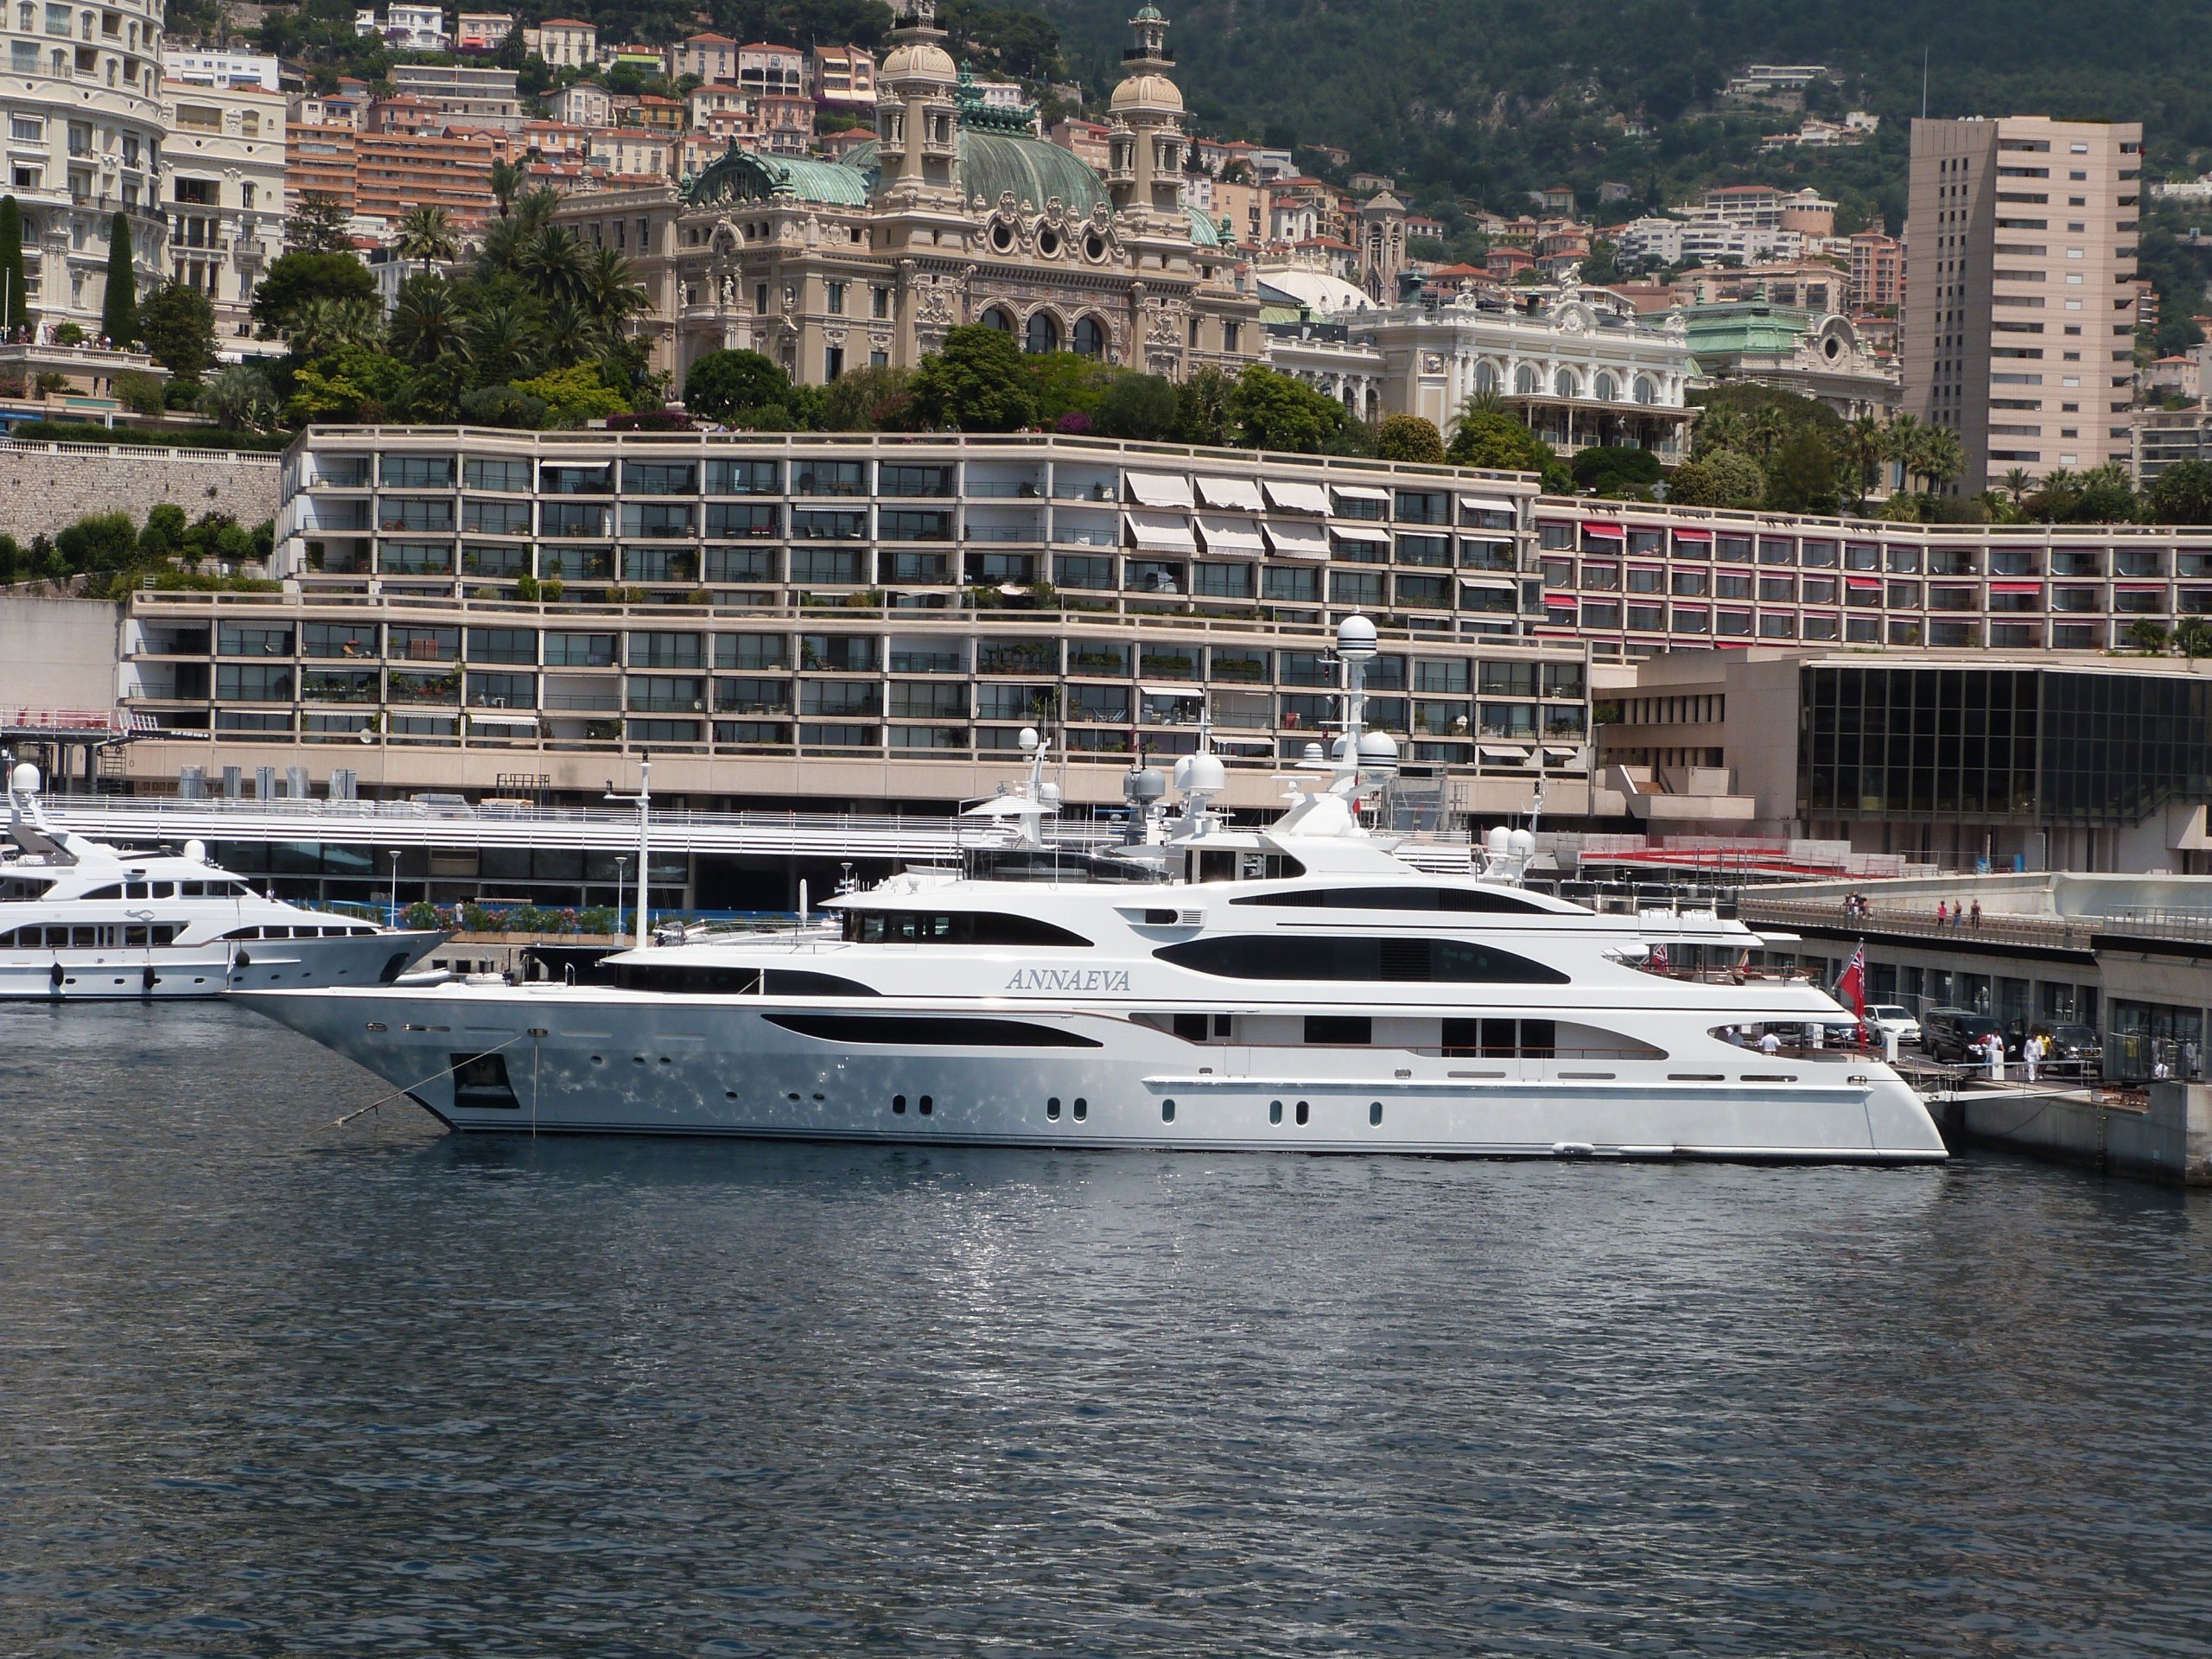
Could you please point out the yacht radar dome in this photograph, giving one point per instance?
(196, 850)
(24, 779)
(1029, 739)
(1355, 637)
(1378, 752)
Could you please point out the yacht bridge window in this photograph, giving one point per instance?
(1252, 955)
(953, 927)
(1476, 899)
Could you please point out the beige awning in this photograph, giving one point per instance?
(1159, 489)
(1360, 533)
(1486, 503)
(1238, 538)
(1160, 532)
(1233, 494)
(1298, 541)
(1296, 495)
(1361, 492)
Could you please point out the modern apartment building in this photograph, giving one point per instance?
(319, 160)
(225, 185)
(2019, 312)
(1877, 271)
(395, 171)
(83, 107)
(221, 67)
(463, 94)
(868, 618)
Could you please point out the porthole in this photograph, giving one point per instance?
(1002, 237)
(730, 1094)
(598, 1059)
(664, 1060)
(1375, 1114)
(1274, 1111)
(1052, 1108)
(899, 1105)
(1167, 1111)
(1082, 1108)
(1094, 246)
(1048, 243)
(1301, 1113)
(637, 1059)
(925, 1105)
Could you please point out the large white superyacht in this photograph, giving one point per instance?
(81, 920)
(1296, 987)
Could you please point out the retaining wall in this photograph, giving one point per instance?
(45, 487)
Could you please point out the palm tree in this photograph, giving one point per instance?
(1768, 430)
(2017, 483)
(552, 261)
(324, 325)
(501, 340)
(611, 290)
(1863, 447)
(1942, 458)
(506, 184)
(1720, 427)
(1901, 440)
(427, 233)
(425, 321)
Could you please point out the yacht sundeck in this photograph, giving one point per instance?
(82, 920)
(1296, 987)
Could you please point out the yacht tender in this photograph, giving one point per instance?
(1298, 987)
(80, 919)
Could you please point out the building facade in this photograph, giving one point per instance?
(888, 611)
(2019, 312)
(83, 103)
(225, 185)
(955, 213)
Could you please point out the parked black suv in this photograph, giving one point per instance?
(1955, 1036)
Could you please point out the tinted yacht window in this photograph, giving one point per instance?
(1272, 957)
(1483, 899)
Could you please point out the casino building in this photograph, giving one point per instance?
(956, 213)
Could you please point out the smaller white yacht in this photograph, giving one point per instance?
(81, 920)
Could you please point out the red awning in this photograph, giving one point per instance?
(2016, 587)
(1863, 582)
(1604, 529)
(1561, 599)
(1693, 534)
(2141, 587)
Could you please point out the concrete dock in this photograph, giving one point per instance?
(2164, 1135)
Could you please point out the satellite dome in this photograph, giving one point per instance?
(24, 779)
(1378, 751)
(1354, 637)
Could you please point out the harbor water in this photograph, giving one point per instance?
(268, 1385)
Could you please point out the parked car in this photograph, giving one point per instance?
(1954, 1036)
(1890, 1017)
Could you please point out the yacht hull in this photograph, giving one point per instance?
(582, 1061)
(140, 974)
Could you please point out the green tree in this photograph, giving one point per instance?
(722, 383)
(976, 384)
(1268, 410)
(119, 296)
(1942, 458)
(871, 398)
(2149, 638)
(177, 324)
(1142, 407)
(139, 393)
(318, 225)
(426, 233)
(1409, 437)
(2193, 636)
(103, 541)
(17, 311)
(240, 399)
(294, 280)
(1801, 477)
(1491, 438)
(2181, 494)
(1860, 453)
(2107, 497)
(573, 396)
(1614, 470)
(1201, 407)
(164, 533)
(1720, 478)
(1066, 382)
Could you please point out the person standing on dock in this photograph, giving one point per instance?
(1993, 1047)
(2031, 1051)
(1942, 915)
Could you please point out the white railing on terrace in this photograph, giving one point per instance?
(151, 451)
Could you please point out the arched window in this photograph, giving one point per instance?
(1524, 381)
(1566, 384)
(1486, 380)
(1043, 333)
(1647, 389)
(997, 318)
(1604, 389)
(1089, 337)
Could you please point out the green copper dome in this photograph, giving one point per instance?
(746, 175)
(990, 164)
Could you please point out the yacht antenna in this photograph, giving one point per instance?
(643, 798)
(1356, 648)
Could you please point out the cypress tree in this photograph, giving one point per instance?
(18, 314)
(119, 306)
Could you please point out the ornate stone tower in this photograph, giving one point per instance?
(916, 119)
(1146, 149)
(1381, 246)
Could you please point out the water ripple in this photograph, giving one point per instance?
(267, 1386)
